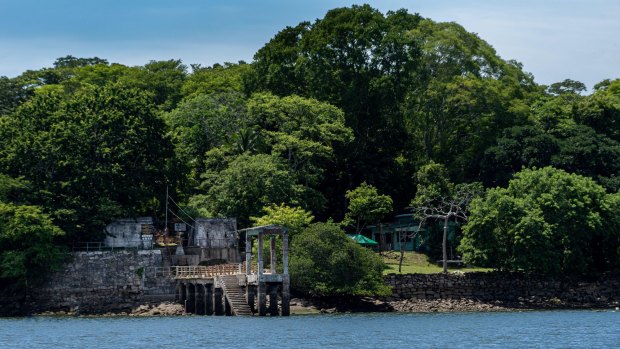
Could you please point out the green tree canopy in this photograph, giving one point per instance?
(203, 122)
(365, 206)
(324, 261)
(216, 79)
(295, 219)
(27, 247)
(90, 157)
(547, 221)
(246, 185)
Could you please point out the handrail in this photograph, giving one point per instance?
(88, 246)
(200, 271)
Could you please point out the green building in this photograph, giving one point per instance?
(402, 230)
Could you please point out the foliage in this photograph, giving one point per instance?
(216, 79)
(10, 188)
(12, 94)
(295, 219)
(203, 122)
(353, 104)
(433, 183)
(324, 261)
(90, 157)
(577, 148)
(246, 185)
(27, 247)
(412, 90)
(546, 221)
(568, 86)
(366, 205)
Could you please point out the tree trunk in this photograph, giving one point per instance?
(443, 245)
(402, 252)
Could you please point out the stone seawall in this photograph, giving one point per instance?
(511, 289)
(95, 283)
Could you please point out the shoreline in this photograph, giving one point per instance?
(310, 306)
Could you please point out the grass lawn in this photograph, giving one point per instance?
(415, 262)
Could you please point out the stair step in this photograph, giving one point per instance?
(235, 296)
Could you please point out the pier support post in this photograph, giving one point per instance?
(200, 299)
(218, 306)
(286, 296)
(250, 297)
(227, 307)
(262, 298)
(209, 299)
(190, 304)
(273, 300)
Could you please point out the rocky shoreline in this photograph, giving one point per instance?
(334, 305)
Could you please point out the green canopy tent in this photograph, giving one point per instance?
(362, 240)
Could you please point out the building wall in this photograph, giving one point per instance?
(128, 233)
(215, 232)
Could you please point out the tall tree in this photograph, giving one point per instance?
(245, 185)
(546, 221)
(366, 205)
(90, 158)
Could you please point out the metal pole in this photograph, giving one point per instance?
(166, 228)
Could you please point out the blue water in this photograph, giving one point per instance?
(548, 329)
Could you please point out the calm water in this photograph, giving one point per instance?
(549, 329)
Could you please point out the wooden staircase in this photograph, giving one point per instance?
(235, 296)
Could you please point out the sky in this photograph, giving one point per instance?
(554, 39)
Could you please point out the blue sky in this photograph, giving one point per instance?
(577, 39)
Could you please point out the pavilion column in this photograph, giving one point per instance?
(272, 262)
(248, 254)
(286, 293)
(285, 252)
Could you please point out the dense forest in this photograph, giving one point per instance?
(358, 104)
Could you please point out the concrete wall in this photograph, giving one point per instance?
(128, 233)
(100, 282)
(505, 287)
(215, 232)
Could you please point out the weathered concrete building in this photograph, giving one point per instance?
(130, 233)
(215, 232)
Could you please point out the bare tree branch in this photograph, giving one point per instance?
(445, 208)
